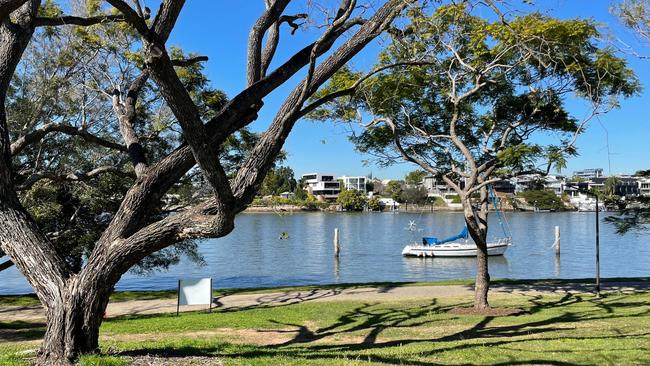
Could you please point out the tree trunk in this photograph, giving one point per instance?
(477, 226)
(72, 326)
(482, 286)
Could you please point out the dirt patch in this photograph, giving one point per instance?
(174, 361)
(263, 337)
(487, 312)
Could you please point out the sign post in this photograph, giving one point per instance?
(194, 292)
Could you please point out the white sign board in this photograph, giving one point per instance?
(195, 292)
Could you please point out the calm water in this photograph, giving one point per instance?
(371, 245)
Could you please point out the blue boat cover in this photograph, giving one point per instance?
(435, 241)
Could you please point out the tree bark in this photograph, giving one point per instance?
(476, 221)
(73, 322)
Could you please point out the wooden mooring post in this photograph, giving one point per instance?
(337, 246)
(557, 240)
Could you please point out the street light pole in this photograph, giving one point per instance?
(597, 250)
(597, 237)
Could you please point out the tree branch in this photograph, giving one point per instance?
(9, 6)
(74, 177)
(37, 135)
(131, 17)
(126, 115)
(166, 18)
(353, 89)
(74, 20)
(268, 18)
(189, 61)
(6, 265)
(273, 39)
(239, 112)
(255, 168)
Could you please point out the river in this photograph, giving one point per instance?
(253, 255)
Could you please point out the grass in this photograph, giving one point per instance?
(555, 330)
(31, 299)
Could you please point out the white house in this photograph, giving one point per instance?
(389, 204)
(644, 187)
(356, 183)
(322, 185)
(555, 184)
(436, 188)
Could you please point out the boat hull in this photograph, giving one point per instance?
(454, 249)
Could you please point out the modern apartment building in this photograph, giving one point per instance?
(356, 183)
(589, 173)
(322, 185)
(436, 188)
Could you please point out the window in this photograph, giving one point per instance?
(309, 177)
(327, 178)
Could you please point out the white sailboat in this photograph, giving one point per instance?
(455, 249)
(460, 245)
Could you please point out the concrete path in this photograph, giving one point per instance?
(369, 294)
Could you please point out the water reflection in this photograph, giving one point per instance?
(450, 268)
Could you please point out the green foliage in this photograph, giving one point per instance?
(609, 186)
(394, 190)
(642, 173)
(415, 177)
(634, 217)
(299, 193)
(439, 202)
(62, 79)
(543, 200)
(529, 67)
(374, 204)
(338, 109)
(351, 200)
(416, 195)
(277, 181)
(309, 202)
(635, 14)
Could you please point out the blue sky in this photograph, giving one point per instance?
(219, 29)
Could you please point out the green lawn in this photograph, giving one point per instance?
(556, 330)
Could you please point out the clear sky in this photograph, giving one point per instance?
(219, 29)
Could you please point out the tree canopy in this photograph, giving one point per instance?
(415, 177)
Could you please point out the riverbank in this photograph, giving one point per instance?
(388, 324)
(28, 308)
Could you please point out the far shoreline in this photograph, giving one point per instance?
(284, 209)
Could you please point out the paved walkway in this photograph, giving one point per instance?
(370, 294)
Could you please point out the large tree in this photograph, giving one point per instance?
(75, 301)
(466, 98)
(61, 96)
(635, 15)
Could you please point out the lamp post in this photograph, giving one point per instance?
(597, 236)
(597, 249)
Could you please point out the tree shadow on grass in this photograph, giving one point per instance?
(370, 321)
(19, 331)
(285, 298)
